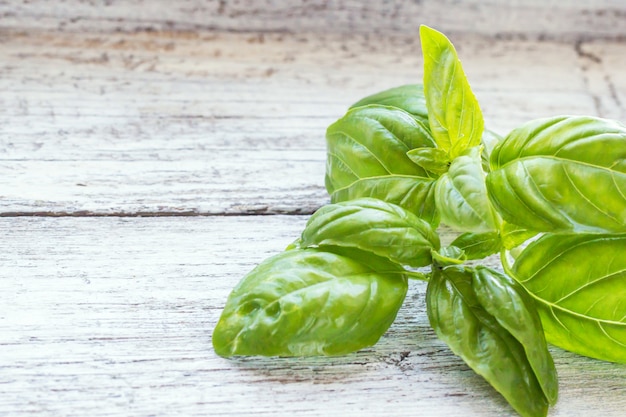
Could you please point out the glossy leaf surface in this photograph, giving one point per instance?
(461, 195)
(434, 160)
(415, 194)
(309, 302)
(454, 115)
(409, 97)
(478, 245)
(459, 318)
(366, 157)
(489, 141)
(514, 309)
(374, 226)
(579, 285)
(562, 174)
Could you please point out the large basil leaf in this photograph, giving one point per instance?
(579, 285)
(366, 157)
(514, 309)
(374, 226)
(459, 317)
(562, 174)
(461, 195)
(455, 118)
(415, 194)
(409, 98)
(309, 302)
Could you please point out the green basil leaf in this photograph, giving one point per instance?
(448, 255)
(455, 118)
(309, 302)
(434, 160)
(374, 226)
(372, 141)
(512, 235)
(461, 196)
(489, 141)
(562, 174)
(413, 193)
(478, 245)
(409, 98)
(473, 333)
(514, 309)
(592, 140)
(579, 285)
(367, 158)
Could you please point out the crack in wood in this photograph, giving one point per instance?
(189, 213)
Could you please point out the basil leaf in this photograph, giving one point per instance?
(579, 285)
(374, 226)
(514, 309)
(455, 118)
(448, 255)
(461, 196)
(513, 235)
(562, 174)
(367, 158)
(473, 333)
(489, 141)
(434, 160)
(478, 245)
(309, 302)
(372, 141)
(411, 193)
(409, 98)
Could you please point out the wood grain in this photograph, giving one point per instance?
(113, 316)
(521, 19)
(203, 115)
(181, 123)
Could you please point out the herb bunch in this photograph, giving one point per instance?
(550, 198)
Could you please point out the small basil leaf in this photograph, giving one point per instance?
(562, 174)
(409, 98)
(309, 302)
(514, 309)
(471, 332)
(579, 286)
(413, 193)
(455, 118)
(513, 235)
(489, 141)
(478, 245)
(448, 255)
(431, 159)
(461, 196)
(374, 226)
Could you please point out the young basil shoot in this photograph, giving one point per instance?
(550, 197)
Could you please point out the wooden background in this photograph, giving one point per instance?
(153, 152)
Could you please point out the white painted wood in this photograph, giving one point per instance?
(210, 123)
(113, 317)
(184, 108)
(527, 19)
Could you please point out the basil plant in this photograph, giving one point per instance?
(549, 198)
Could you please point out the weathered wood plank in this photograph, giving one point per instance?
(208, 123)
(534, 19)
(113, 317)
